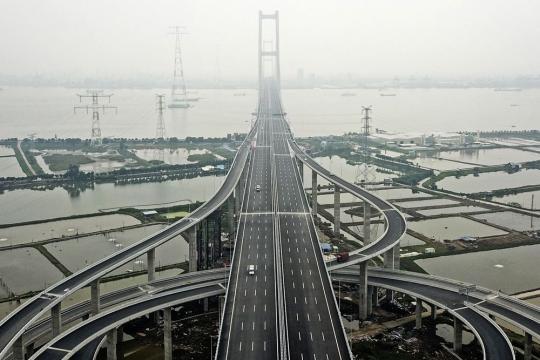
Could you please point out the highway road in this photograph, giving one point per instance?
(287, 309)
(443, 292)
(494, 341)
(12, 326)
(86, 333)
(250, 320)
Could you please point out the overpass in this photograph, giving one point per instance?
(84, 339)
(287, 309)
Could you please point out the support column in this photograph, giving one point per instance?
(230, 216)
(237, 200)
(363, 292)
(300, 169)
(221, 308)
(56, 319)
(458, 335)
(95, 304)
(433, 312)
(120, 342)
(396, 257)
(337, 205)
(418, 312)
(375, 296)
(112, 340)
(369, 300)
(167, 333)
(527, 348)
(191, 237)
(30, 349)
(151, 264)
(388, 259)
(314, 191)
(18, 349)
(205, 305)
(367, 223)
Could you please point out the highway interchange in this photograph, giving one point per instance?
(287, 308)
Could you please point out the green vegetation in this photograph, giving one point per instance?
(202, 159)
(62, 162)
(22, 163)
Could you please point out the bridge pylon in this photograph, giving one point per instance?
(269, 54)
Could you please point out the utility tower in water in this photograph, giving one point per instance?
(160, 124)
(179, 98)
(96, 108)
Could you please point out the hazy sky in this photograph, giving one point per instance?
(376, 38)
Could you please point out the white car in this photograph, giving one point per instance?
(258, 188)
(251, 269)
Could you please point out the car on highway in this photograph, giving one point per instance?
(258, 188)
(251, 269)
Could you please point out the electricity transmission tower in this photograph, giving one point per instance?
(95, 107)
(364, 173)
(178, 91)
(160, 125)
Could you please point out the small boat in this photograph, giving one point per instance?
(387, 94)
(348, 94)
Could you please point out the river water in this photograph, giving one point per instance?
(26, 205)
(49, 112)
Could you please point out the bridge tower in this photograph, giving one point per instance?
(266, 53)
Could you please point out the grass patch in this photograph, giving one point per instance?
(202, 158)
(61, 162)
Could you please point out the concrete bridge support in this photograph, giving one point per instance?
(375, 296)
(191, 237)
(221, 300)
(56, 318)
(388, 260)
(300, 169)
(167, 333)
(18, 349)
(237, 200)
(112, 342)
(397, 258)
(527, 348)
(367, 223)
(433, 312)
(418, 312)
(363, 292)
(95, 304)
(458, 335)
(230, 216)
(337, 207)
(369, 300)
(151, 264)
(314, 191)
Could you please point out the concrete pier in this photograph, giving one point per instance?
(205, 304)
(151, 264)
(112, 341)
(191, 236)
(95, 304)
(367, 223)
(363, 292)
(167, 333)
(458, 335)
(397, 258)
(18, 349)
(221, 308)
(375, 296)
(237, 200)
(230, 215)
(337, 206)
(314, 191)
(56, 318)
(418, 312)
(300, 169)
(433, 312)
(388, 260)
(369, 300)
(527, 348)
